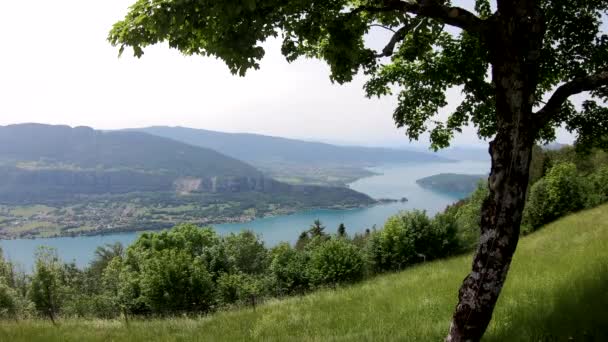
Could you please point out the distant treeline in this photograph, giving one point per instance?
(192, 270)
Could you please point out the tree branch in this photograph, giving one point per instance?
(382, 26)
(454, 16)
(577, 85)
(396, 38)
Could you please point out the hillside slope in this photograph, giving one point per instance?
(557, 290)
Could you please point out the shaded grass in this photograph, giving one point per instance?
(557, 290)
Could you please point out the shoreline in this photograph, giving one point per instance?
(211, 223)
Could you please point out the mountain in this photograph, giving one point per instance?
(93, 181)
(86, 148)
(261, 149)
(41, 162)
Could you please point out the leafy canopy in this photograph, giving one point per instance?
(420, 62)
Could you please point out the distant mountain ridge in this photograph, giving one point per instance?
(41, 163)
(87, 148)
(256, 148)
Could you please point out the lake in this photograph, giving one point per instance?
(395, 181)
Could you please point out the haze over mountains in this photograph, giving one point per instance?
(262, 149)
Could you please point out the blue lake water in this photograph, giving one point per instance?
(395, 181)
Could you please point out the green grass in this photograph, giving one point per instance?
(557, 290)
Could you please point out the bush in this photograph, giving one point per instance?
(407, 238)
(246, 253)
(335, 261)
(469, 218)
(171, 281)
(12, 305)
(445, 240)
(47, 289)
(597, 186)
(288, 268)
(168, 272)
(240, 288)
(560, 192)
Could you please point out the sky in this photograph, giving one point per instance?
(57, 67)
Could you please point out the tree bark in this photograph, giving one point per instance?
(514, 42)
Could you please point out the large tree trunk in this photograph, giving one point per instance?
(514, 43)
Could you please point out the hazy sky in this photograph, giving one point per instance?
(57, 67)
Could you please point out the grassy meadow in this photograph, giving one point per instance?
(557, 290)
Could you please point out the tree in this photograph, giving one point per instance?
(46, 288)
(103, 256)
(517, 64)
(288, 267)
(303, 240)
(560, 192)
(168, 272)
(12, 303)
(335, 261)
(317, 229)
(341, 230)
(407, 238)
(246, 252)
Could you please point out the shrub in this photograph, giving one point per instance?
(335, 261)
(469, 218)
(47, 290)
(246, 253)
(171, 281)
(597, 186)
(407, 238)
(240, 288)
(288, 268)
(445, 240)
(560, 192)
(12, 304)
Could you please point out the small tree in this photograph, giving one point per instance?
(46, 289)
(303, 240)
(246, 252)
(599, 183)
(240, 288)
(561, 191)
(288, 268)
(317, 230)
(407, 238)
(341, 230)
(335, 261)
(103, 255)
(469, 218)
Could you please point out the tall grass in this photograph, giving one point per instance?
(557, 290)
